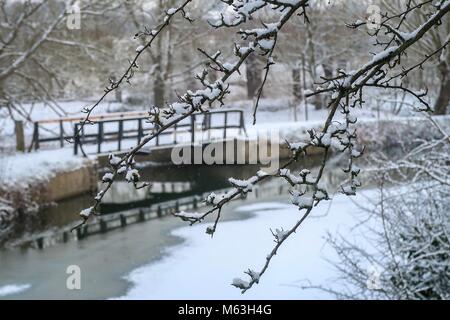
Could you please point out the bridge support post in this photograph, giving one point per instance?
(20, 136)
(120, 136)
(61, 134)
(100, 137)
(140, 131)
(40, 243)
(141, 216)
(193, 128)
(76, 139)
(36, 135)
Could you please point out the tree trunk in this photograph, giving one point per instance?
(158, 89)
(443, 99)
(254, 79)
(320, 101)
(296, 88)
(158, 83)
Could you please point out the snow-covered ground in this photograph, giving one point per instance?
(23, 168)
(203, 268)
(11, 289)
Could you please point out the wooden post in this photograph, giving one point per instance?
(40, 243)
(140, 133)
(61, 134)
(119, 143)
(192, 128)
(20, 137)
(100, 137)
(141, 216)
(225, 125)
(194, 203)
(36, 135)
(83, 139)
(157, 136)
(76, 141)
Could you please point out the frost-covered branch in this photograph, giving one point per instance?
(345, 89)
(192, 101)
(407, 256)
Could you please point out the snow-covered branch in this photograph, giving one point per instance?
(345, 90)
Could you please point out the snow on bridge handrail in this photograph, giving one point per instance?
(116, 115)
(113, 115)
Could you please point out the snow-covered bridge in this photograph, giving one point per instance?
(115, 132)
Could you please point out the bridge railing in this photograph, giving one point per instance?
(215, 124)
(59, 131)
(118, 132)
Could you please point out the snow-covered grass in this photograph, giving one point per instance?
(278, 114)
(13, 289)
(203, 268)
(39, 111)
(24, 168)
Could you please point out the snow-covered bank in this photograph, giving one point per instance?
(13, 289)
(30, 181)
(203, 268)
(22, 169)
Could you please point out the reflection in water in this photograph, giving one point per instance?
(169, 183)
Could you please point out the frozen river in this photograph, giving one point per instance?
(165, 258)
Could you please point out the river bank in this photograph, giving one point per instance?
(32, 181)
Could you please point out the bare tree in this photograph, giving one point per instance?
(28, 32)
(439, 63)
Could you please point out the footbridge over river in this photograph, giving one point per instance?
(118, 132)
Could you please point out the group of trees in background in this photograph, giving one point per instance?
(43, 60)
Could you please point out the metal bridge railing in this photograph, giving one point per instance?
(115, 129)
